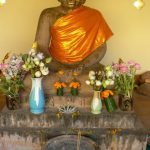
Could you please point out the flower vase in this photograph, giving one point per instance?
(125, 103)
(12, 103)
(60, 92)
(36, 98)
(74, 91)
(110, 104)
(96, 104)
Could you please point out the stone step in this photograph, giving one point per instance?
(24, 119)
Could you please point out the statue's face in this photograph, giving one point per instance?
(71, 3)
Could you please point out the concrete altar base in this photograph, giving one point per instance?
(21, 130)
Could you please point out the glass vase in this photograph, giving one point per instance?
(96, 104)
(36, 98)
(125, 103)
(60, 92)
(12, 103)
(110, 104)
(74, 91)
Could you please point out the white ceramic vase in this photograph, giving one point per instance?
(96, 104)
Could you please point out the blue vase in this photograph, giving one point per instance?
(36, 98)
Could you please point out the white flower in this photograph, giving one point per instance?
(44, 71)
(92, 82)
(38, 74)
(24, 66)
(32, 52)
(109, 73)
(107, 82)
(87, 82)
(91, 73)
(92, 77)
(112, 82)
(108, 68)
(29, 66)
(98, 83)
(36, 61)
(41, 64)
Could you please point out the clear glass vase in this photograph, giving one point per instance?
(12, 103)
(125, 103)
(96, 104)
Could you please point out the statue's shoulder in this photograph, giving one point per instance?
(50, 11)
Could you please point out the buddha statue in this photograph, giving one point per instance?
(73, 34)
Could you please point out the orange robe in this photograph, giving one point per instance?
(77, 34)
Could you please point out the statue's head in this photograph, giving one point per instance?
(71, 3)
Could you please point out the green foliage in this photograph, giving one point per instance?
(11, 87)
(125, 77)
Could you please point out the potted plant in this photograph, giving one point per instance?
(125, 82)
(74, 85)
(11, 80)
(59, 85)
(37, 64)
(100, 80)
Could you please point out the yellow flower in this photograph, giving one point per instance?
(61, 72)
(75, 73)
(34, 45)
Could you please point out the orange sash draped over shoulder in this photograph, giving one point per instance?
(77, 34)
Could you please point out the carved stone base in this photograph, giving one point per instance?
(21, 130)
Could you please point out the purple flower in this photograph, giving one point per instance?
(40, 56)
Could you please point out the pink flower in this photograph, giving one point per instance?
(3, 66)
(116, 66)
(122, 65)
(137, 66)
(134, 64)
(131, 63)
(123, 69)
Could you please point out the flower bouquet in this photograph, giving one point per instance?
(59, 85)
(37, 64)
(107, 96)
(11, 79)
(125, 82)
(74, 85)
(100, 81)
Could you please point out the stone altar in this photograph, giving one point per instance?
(21, 130)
